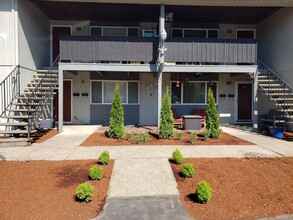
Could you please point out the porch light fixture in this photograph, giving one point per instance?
(228, 83)
(177, 84)
(78, 28)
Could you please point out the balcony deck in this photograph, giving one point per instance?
(131, 50)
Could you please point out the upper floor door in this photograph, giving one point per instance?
(57, 31)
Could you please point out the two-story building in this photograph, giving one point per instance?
(243, 50)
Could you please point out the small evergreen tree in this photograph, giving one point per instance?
(166, 118)
(116, 129)
(212, 117)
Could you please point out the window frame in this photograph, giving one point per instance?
(206, 92)
(106, 103)
(246, 29)
(102, 29)
(195, 29)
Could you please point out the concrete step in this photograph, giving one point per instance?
(284, 104)
(281, 99)
(33, 98)
(21, 110)
(25, 104)
(15, 142)
(45, 80)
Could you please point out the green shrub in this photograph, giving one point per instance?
(206, 134)
(128, 136)
(116, 128)
(192, 137)
(96, 173)
(203, 192)
(84, 192)
(212, 117)
(188, 170)
(166, 118)
(179, 135)
(104, 157)
(142, 138)
(177, 156)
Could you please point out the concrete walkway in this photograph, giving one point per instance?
(142, 185)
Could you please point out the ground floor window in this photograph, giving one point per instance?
(102, 92)
(192, 92)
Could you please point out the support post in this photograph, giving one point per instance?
(60, 99)
(255, 101)
(163, 36)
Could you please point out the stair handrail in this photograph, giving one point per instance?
(272, 71)
(12, 78)
(34, 118)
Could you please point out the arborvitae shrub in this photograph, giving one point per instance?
(104, 157)
(212, 117)
(203, 192)
(84, 192)
(188, 170)
(166, 118)
(96, 173)
(177, 156)
(116, 128)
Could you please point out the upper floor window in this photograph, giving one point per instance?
(245, 33)
(193, 32)
(115, 31)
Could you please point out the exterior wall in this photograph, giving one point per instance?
(8, 17)
(33, 34)
(75, 25)
(227, 106)
(80, 105)
(100, 113)
(275, 46)
(223, 30)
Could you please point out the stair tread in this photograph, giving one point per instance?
(14, 124)
(16, 131)
(16, 116)
(21, 110)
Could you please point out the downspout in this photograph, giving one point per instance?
(163, 36)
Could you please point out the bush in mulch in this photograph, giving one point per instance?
(104, 157)
(85, 192)
(188, 170)
(96, 173)
(177, 156)
(203, 192)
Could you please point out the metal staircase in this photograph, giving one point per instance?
(276, 89)
(22, 112)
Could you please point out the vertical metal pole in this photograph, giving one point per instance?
(255, 101)
(60, 101)
(161, 59)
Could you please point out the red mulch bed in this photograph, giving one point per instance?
(100, 139)
(44, 135)
(243, 188)
(46, 189)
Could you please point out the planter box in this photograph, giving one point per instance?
(276, 132)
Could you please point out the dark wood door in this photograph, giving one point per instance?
(66, 102)
(244, 101)
(56, 32)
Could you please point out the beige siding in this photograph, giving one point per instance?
(33, 35)
(275, 47)
(148, 99)
(7, 37)
(80, 105)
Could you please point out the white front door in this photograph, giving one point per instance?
(148, 109)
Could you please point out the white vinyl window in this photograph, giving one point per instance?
(192, 92)
(115, 31)
(102, 92)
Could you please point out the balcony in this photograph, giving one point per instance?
(93, 49)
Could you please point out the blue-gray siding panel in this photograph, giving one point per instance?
(100, 114)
